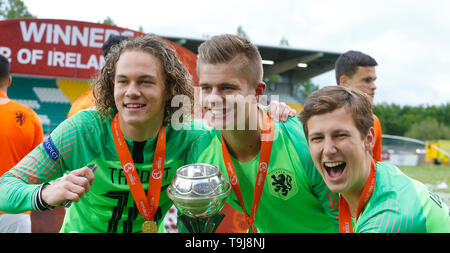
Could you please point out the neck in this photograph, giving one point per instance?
(244, 144)
(3, 96)
(353, 195)
(140, 132)
(3, 92)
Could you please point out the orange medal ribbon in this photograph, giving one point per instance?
(345, 217)
(147, 205)
(266, 148)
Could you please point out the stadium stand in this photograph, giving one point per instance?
(44, 96)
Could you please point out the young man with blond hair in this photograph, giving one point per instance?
(268, 164)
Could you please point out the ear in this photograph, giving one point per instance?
(260, 89)
(369, 140)
(343, 80)
(9, 81)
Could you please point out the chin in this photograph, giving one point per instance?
(220, 123)
(336, 187)
(134, 119)
(340, 186)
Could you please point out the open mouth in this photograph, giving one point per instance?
(334, 169)
(219, 112)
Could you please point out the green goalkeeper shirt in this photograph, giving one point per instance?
(295, 199)
(84, 139)
(400, 204)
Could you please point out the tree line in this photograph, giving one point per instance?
(14, 9)
(419, 122)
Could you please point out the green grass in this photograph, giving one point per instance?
(431, 175)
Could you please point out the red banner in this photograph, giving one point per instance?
(64, 48)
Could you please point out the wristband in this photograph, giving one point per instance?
(40, 204)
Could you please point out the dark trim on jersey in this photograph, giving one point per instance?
(138, 151)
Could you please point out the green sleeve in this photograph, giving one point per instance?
(13, 200)
(434, 209)
(400, 204)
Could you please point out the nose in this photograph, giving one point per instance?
(212, 98)
(329, 147)
(132, 90)
(215, 91)
(373, 86)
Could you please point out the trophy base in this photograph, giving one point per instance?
(209, 224)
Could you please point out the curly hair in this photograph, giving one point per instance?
(178, 80)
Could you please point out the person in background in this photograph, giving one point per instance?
(375, 197)
(356, 70)
(20, 132)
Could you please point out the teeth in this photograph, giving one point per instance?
(134, 105)
(333, 164)
(219, 111)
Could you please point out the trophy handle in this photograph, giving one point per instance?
(209, 224)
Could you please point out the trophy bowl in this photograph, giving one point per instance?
(199, 190)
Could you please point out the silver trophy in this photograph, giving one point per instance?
(199, 191)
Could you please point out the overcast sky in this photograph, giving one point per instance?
(409, 39)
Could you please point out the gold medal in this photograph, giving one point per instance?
(149, 227)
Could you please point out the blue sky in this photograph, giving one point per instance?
(409, 39)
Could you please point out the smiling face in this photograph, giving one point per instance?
(224, 92)
(139, 89)
(339, 152)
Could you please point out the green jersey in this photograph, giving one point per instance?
(400, 204)
(295, 199)
(84, 139)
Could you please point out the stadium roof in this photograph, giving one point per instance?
(285, 60)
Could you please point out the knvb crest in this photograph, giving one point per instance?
(282, 184)
(20, 118)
